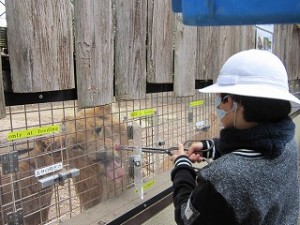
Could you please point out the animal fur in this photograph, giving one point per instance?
(93, 133)
(89, 138)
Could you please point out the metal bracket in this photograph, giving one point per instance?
(161, 143)
(58, 178)
(133, 161)
(204, 129)
(15, 218)
(130, 132)
(190, 117)
(10, 163)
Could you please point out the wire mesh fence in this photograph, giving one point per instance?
(57, 161)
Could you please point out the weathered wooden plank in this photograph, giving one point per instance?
(40, 43)
(247, 37)
(160, 42)
(217, 44)
(287, 48)
(2, 99)
(185, 59)
(130, 55)
(207, 53)
(229, 43)
(235, 39)
(94, 52)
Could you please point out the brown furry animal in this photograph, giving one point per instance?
(93, 133)
(88, 139)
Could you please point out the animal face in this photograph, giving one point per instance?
(94, 134)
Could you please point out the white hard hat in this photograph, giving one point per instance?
(254, 73)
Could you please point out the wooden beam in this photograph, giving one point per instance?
(40, 43)
(160, 42)
(2, 97)
(94, 52)
(130, 55)
(185, 59)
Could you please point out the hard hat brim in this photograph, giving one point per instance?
(251, 90)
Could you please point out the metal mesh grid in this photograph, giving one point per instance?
(89, 140)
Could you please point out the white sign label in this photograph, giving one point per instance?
(200, 124)
(48, 169)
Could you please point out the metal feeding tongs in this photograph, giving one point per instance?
(170, 150)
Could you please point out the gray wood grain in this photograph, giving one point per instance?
(130, 55)
(40, 43)
(94, 52)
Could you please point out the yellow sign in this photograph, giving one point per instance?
(147, 185)
(196, 103)
(145, 112)
(32, 132)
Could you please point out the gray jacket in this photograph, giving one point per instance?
(253, 179)
(260, 190)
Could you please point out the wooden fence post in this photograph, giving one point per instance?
(2, 99)
(160, 42)
(130, 54)
(40, 43)
(185, 59)
(94, 52)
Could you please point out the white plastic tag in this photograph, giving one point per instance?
(138, 176)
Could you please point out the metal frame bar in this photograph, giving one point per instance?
(12, 98)
(146, 210)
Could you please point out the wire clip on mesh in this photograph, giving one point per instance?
(10, 162)
(15, 217)
(134, 161)
(58, 178)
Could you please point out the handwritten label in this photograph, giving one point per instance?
(141, 113)
(48, 169)
(196, 103)
(147, 185)
(32, 132)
